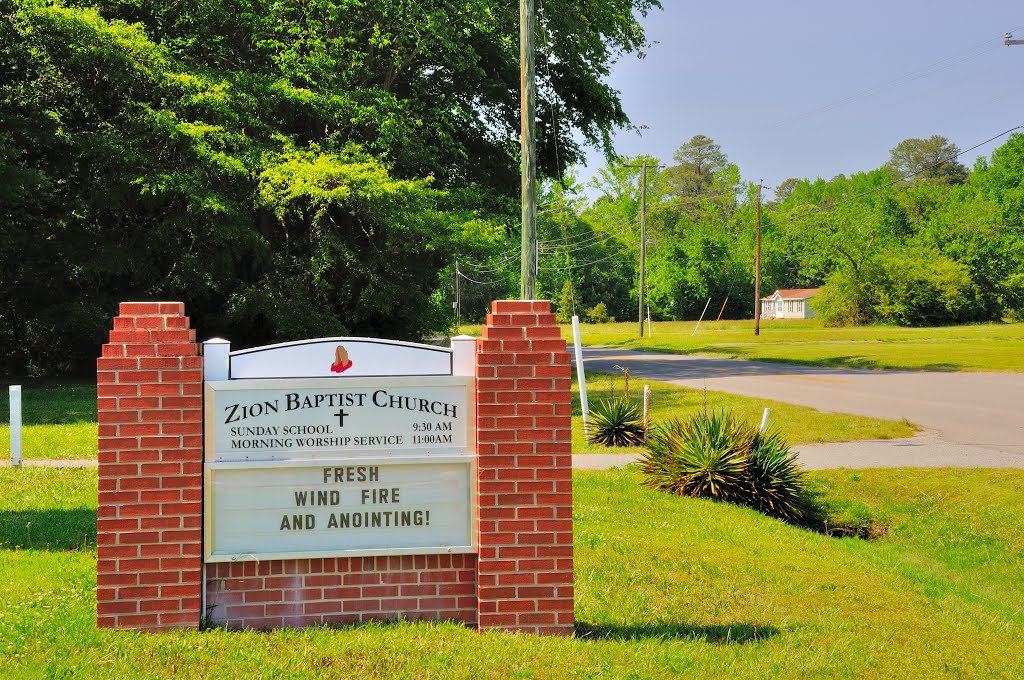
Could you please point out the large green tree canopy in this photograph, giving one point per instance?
(286, 167)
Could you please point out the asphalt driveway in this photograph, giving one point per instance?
(969, 419)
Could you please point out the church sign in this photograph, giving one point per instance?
(338, 466)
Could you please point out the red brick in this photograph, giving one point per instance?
(141, 351)
(187, 619)
(112, 350)
(116, 364)
(138, 376)
(175, 308)
(176, 321)
(514, 371)
(140, 308)
(176, 349)
(544, 333)
(495, 358)
(190, 375)
(504, 333)
(130, 336)
(516, 346)
(155, 362)
(513, 306)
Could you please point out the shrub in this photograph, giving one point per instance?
(616, 422)
(718, 456)
(599, 314)
(703, 455)
(777, 484)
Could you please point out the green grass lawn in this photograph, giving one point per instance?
(58, 419)
(981, 347)
(665, 586)
(798, 424)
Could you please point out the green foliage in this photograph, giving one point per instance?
(1013, 297)
(717, 455)
(286, 169)
(566, 303)
(599, 314)
(703, 455)
(777, 482)
(929, 160)
(961, 231)
(616, 422)
(907, 287)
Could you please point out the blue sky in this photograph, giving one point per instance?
(809, 89)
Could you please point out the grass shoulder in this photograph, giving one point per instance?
(994, 347)
(665, 585)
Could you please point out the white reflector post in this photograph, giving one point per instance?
(464, 355)
(580, 375)
(216, 363)
(764, 420)
(15, 400)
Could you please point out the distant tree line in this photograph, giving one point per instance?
(922, 240)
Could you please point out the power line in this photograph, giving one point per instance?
(486, 283)
(930, 69)
(582, 264)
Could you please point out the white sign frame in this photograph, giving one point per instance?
(306, 365)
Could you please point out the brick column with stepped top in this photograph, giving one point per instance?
(524, 474)
(149, 382)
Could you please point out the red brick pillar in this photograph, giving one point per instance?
(524, 474)
(149, 385)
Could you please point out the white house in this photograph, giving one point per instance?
(790, 303)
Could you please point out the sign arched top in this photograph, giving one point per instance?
(339, 357)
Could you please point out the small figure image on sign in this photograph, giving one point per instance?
(341, 361)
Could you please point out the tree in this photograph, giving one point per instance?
(285, 168)
(928, 160)
(698, 161)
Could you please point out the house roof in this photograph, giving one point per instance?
(793, 293)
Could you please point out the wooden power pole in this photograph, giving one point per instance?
(643, 241)
(757, 266)
(527, 108)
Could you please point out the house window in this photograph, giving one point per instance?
(778, 307)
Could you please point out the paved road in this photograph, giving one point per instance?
(970, 419)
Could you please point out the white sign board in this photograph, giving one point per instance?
(327, 418)
(361, 507)
(320, 467)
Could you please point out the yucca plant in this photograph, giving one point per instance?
(777, 482)
(616, 422)
(719, 456)
(704, 455)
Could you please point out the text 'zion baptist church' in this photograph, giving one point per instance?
(379, 398)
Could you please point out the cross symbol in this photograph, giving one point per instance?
(341, 417)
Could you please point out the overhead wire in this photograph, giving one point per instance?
(909, 76)
(486, 283)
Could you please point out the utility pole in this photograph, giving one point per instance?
(643, 242)
(1008, 39)
(458, 296)
(527, 109)
(757, 265)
